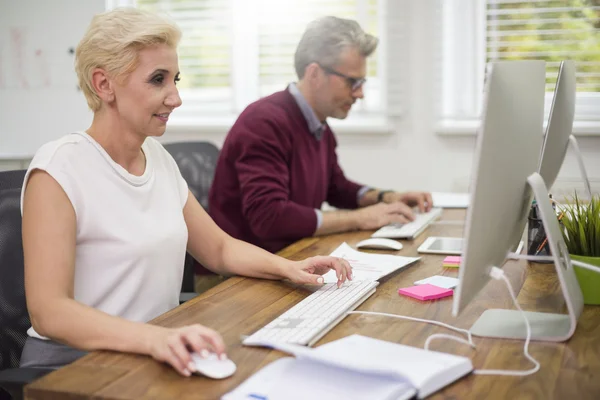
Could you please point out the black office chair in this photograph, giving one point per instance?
(197, 162)
(14, 319)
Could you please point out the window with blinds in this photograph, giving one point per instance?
(280, 27)
(548, 30)
(234, 51)
(205, 50)
(552, 31)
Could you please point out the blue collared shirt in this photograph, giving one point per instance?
(316, 128)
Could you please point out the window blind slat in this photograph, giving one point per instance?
(546, 21)
(498, 2)
(541, 32)
(519, 11)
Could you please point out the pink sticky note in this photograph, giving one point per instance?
(425, 292)
(452, 260)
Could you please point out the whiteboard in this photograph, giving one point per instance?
(39, 97)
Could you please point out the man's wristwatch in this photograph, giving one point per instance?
(381, 194)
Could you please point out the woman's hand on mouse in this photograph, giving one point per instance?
(175, 345)
(310, 270)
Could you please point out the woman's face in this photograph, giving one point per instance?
(146, 98)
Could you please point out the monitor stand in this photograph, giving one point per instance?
(509, 324)
(586, 180)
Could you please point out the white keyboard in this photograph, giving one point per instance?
(313, 317)
(410, 230)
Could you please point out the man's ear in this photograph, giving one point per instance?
(103, 85)
(313, 74)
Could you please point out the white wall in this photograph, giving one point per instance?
(39, 96)
(413, 156)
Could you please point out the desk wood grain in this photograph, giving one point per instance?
(240, 306)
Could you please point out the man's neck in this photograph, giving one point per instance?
(308, 96)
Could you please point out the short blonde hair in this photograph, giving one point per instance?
(113, 41)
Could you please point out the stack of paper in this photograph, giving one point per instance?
(426, 291)
(451, 262)
(366, 266)
(446, 282)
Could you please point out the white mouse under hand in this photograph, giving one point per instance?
(379, 243)
(212, 366)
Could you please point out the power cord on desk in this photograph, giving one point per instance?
(495, 273)
(427, 321)
(580, 264)
(498, 274)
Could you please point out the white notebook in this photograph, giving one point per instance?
(355, 367)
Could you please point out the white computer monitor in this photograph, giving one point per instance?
(560, 124)
(505, 179)
(559, 130)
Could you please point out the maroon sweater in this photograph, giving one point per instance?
(272, 173)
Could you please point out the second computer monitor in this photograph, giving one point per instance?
(507, 152)
(560, 124)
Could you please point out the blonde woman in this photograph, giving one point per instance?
(107, 217)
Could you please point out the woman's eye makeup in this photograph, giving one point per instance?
(157, 79)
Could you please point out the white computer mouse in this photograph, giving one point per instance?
(213, 367)
(379, 243)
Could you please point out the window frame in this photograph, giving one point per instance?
(245, 83)
(463, 69)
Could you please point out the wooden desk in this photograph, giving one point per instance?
(239, 306)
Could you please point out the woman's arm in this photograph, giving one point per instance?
(49, 237)
(225, 255)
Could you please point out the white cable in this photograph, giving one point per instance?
(550, 258)
(497, 273)
(561, 206)
(427, 321)
(516, 256)
(585, 265)
(444, 336)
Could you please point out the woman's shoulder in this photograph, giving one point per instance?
(62, 148)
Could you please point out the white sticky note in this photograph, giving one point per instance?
(445, 282)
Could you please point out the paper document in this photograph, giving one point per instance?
(367, 266)
(450, 200)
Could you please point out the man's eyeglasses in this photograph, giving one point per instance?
(353, 83)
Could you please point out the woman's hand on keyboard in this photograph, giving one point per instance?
(175, 345)
(311, 269)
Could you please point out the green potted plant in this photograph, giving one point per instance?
(581, 223)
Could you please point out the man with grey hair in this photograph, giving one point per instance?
(279, 164)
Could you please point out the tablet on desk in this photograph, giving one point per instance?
(448, 245)
(441, 245)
